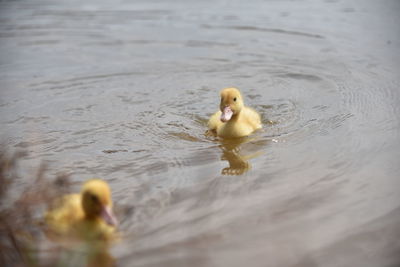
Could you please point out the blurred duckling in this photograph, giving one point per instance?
(86, 216)
(234, 119)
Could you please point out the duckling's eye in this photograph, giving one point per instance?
(94, 198)
(234, 99)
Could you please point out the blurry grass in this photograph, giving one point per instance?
(20, 218)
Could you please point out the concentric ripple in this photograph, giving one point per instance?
(124, 90)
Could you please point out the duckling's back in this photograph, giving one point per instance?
(67, 211)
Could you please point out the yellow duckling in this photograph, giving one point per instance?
(86, 216)
(234, 119)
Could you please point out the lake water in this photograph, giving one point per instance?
(123, 89)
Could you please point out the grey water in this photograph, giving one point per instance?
(122, 90)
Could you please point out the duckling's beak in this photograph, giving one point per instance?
(226, 114)
(108, 216)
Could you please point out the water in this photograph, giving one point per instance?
(123, 90)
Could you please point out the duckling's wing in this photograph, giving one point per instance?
(253, 118)
(214, 121)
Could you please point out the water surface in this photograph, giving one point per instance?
(122, 90)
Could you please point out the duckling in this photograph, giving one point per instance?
(234, 119)
(86, 216)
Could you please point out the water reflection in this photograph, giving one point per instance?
(238, 160)
(83, 254)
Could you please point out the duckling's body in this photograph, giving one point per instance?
(84, 217)
(233, 120)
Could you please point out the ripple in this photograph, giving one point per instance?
(301, 76)
(27, 144)
(199, 43)
(112, 151)
(76, 81)
(130, 86)
(272, 30)
(282, 117)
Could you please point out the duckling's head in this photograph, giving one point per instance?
(96, 201)
(231, 103)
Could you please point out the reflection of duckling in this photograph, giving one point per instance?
(234, 119)
(86, 216)
(238, 164)
(238, 161)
